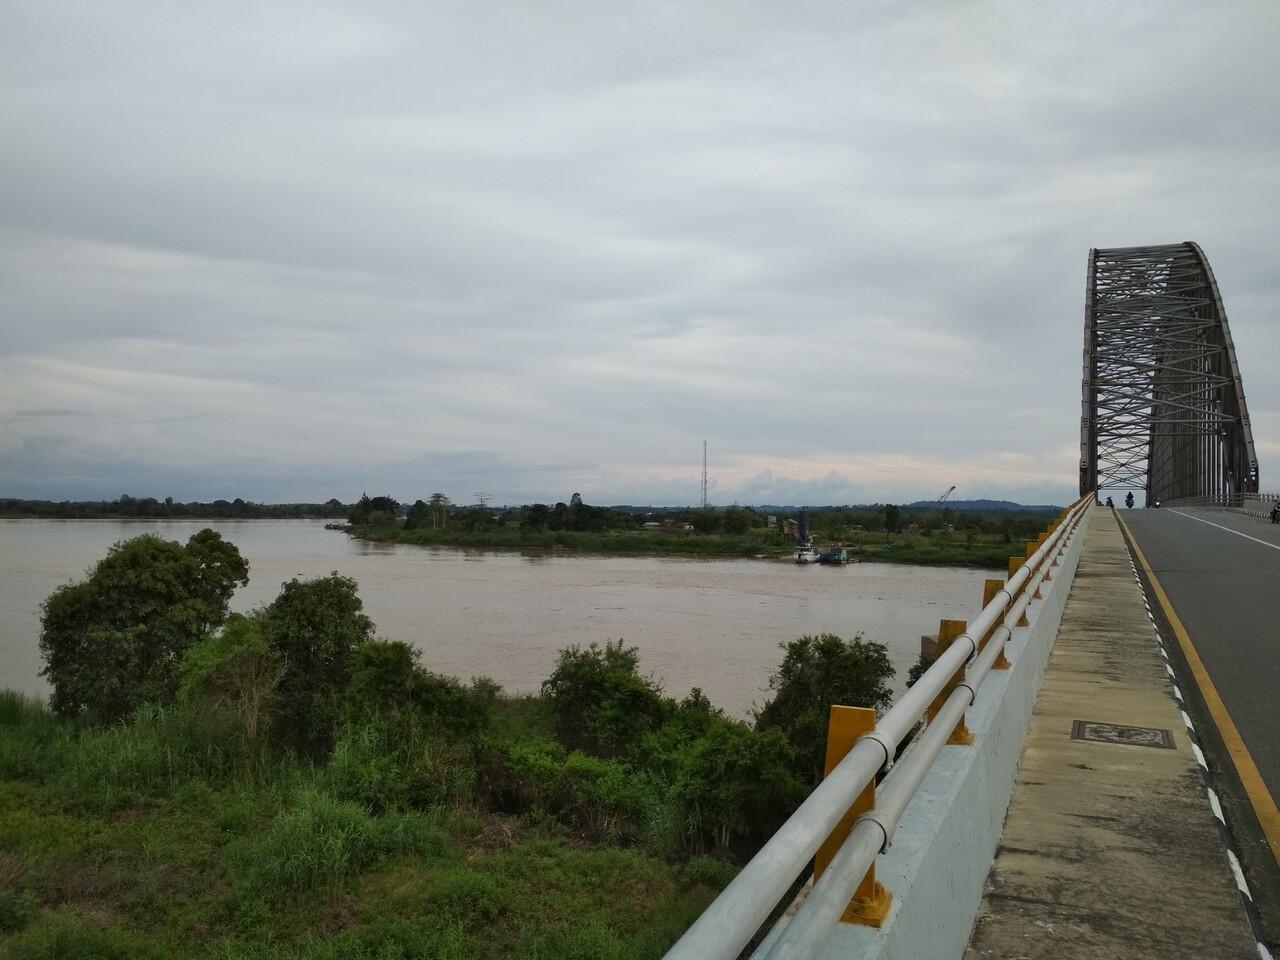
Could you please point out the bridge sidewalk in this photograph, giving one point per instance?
(1110, 850)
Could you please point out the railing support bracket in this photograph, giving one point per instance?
(845, 727)
(949, 631)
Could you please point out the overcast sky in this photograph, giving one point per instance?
(295, 251)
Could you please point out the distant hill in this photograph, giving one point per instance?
(995, 506)
(989, 506)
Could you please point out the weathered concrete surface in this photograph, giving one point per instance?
(1110, 851)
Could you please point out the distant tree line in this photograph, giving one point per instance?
(151, 508)
(438, 513)
(837, 522)
(832, 522)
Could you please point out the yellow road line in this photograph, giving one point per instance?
(1264, 805)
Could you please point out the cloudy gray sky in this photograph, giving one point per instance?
(293, 251)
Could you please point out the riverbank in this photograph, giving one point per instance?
(910, 548)
(151, 840)
(433, 818)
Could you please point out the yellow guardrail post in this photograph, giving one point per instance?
(870, 903)
(948, 630)
(1015, 564)
(989, 590)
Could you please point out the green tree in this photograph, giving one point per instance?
(386, 678)
(738, 520)
(815, 673)
(315, 626)
(1006, 528)
(735, 783)
(236, 673)
(374, 511)
(602, 705)
(537, 517)
(892, 518)
(706, 520)
(418, 517)
(113, 642)
(439, 505)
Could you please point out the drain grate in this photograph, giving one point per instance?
(1121, 733)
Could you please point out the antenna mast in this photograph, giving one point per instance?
(704, 474)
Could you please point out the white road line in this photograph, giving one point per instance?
(1199, 756)
(1217, 807)
(1265, 543)
(1239, 874)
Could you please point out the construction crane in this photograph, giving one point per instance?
(950, 490)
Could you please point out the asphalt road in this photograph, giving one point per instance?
(1221, 572)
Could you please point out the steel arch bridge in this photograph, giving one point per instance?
(1163, 402)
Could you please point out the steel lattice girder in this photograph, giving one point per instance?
(1163, 406)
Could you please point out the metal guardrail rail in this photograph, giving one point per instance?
(1257, 505)
(731, 921)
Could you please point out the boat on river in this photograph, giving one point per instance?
(835, 555)
(806, 555)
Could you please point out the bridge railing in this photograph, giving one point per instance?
(1257, 504)
(1224, 502)
(730, 922)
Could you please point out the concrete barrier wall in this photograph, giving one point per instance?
(945, 844)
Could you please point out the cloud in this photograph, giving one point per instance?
(299, 251)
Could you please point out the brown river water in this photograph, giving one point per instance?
(714, 624)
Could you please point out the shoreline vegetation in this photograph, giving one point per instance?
(149, 508)
(908, 548)
(285, 785)
(922, 534)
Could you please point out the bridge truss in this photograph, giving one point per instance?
(1163, 403)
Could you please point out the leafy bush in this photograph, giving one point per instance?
(735, 784)
(918, 669)
(815, 673)
(601, 703)
(235, 672)
(315, 627)
(112, 642)
(375, 511)
(690, 719)
(606, 799)
(386, 678)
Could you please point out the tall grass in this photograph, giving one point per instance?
(318, 841)
(66, 934)
(158, 750)
(33, 741)
(399, 762)
(166, 836)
